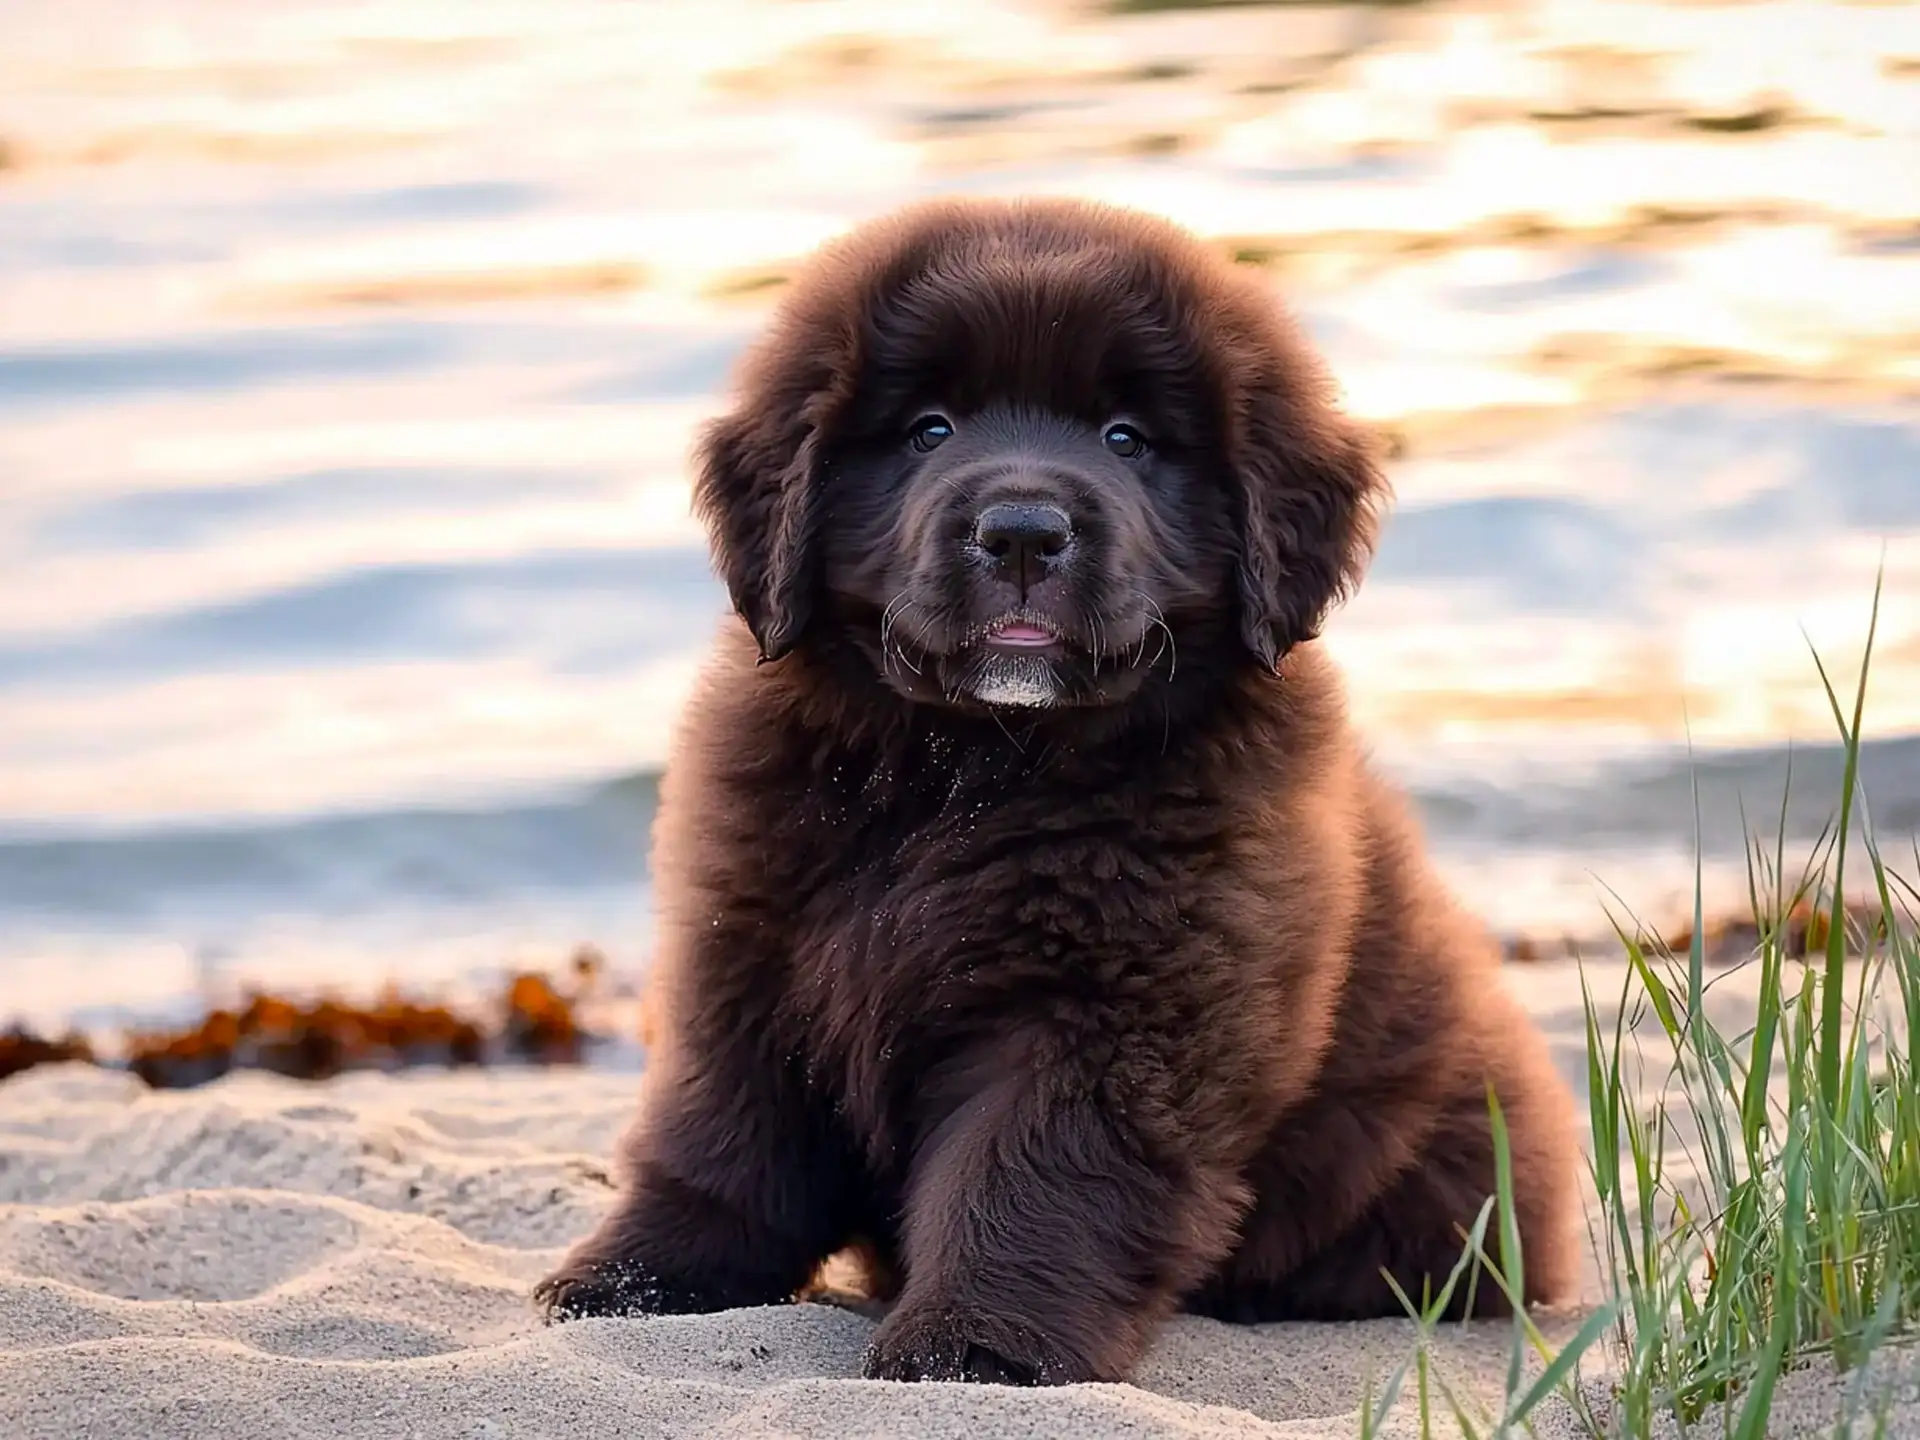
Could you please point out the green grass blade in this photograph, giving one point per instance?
(1557, 1370)
(1373, 1414)
(1830, 1012)
(1512, 1268)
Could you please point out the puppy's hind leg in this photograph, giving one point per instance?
(1416, 1229)
(735, 1193)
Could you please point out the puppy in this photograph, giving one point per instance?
(1028, 909)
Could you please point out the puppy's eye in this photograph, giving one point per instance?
(930, 432)
(1125, 441)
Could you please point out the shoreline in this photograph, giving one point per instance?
(449, 902)
(583, 1012)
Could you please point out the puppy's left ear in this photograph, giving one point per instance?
(757, 490)
(1311, 488)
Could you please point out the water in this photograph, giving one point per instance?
(349, 356)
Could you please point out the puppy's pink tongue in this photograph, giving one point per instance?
(1016, 632)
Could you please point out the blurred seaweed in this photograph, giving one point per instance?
(536, 1020)
(22, 1049)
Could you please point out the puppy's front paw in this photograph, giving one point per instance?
(586, 1290)
(957, 1343)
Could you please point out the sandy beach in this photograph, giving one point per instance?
(267, 1257)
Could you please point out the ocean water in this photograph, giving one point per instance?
(349, 356)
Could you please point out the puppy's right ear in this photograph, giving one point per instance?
(756, 490)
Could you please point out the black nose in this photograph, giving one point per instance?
(1025, 540)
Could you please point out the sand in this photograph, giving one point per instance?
(268, 1258)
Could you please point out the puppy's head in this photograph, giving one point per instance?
(1021, 454)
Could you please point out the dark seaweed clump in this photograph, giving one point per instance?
(22, 1049)
(535, 1021)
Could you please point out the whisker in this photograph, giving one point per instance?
(1169, 646)
(887, 617)
(1005, 731)
(919, 640)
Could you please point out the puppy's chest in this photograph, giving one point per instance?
(952, 896)
(942, 918)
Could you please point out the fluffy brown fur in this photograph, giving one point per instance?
(1028, 908)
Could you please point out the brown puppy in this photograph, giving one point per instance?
(1028, 908)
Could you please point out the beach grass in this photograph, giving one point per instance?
(1790, 1229)
(1758, 1187)
(1436, 1398)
